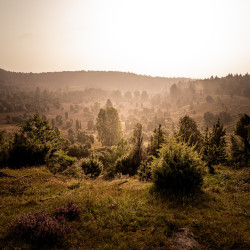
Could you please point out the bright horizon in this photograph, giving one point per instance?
(196, 38)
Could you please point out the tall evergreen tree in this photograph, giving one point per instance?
(137, 150)
(189, 132)
(109, 126)
(156, 140)
(218, 143)
(214, 146)
(241, 140)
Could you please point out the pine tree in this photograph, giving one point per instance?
(207, 151)
(218, 143)
(189, 132)
(214, 146)
(137, 150)
(109, 126)
(156, 140)
(241, 140)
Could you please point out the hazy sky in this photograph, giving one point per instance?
(192, 38)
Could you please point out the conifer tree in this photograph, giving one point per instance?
(240, 141)
(214, 146)
(109, 126)
(218, 143)
(156, 140)
(189, 132)
(137, 151)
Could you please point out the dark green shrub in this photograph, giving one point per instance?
(4, 149)
(240, 142)
(33, 143)
(92, 167)
(78, 151)
(110, 156)
(59, 162)
(189, 132)
(123, 165)
(178, 169)
(145, 171)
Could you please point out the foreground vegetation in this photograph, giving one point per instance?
(125, 213)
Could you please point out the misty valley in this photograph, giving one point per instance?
(114, 160)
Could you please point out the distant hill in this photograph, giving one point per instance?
(86, 79)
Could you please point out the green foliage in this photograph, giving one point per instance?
(129, 163)
(156, 140)
(218, 142)
(58, 161)
(214, 145)
(34, 142)
(189, 132)
(237, 150)
(72, 135)
(91, 166)
(78, 151)
(145, 170)
(136, 154)
(207, 151)
(178, 169)
(123, 165)
(111, 155)
(240, 141)
(109, 126)
(4, 149)
(84, 137)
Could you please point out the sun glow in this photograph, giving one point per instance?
(162, 37)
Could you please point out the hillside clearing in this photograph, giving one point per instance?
(126, 214)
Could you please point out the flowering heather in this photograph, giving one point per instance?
(39, 228)
(70, 212)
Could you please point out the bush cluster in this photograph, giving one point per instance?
(91, 166)
(59, 161)
(178, 170)
(145, 169)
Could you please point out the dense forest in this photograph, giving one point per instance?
(174, 144)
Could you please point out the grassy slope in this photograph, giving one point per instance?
(129, 216)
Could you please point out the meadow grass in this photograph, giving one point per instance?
(130, 215)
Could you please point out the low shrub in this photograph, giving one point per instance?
(145, 170)
(70, 212)
(178, 170)
(59, 161)
(74, 171)
(39, 228)
(122, 164)
(78, 151)
(91, 166)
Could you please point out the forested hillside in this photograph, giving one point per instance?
(86, 79)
